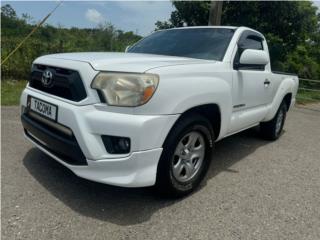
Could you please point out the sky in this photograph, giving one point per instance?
(136, 16)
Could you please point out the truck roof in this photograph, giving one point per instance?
(226, 27)
(188, 27)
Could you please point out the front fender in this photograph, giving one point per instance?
(179, 94)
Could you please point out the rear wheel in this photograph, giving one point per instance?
(272, 129)
(186, 156)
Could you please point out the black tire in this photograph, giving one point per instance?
(269, 130)
(167, 184)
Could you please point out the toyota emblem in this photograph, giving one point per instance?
(47, 78)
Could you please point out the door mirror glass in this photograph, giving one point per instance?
(251, 57)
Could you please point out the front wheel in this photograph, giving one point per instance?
(272, 129)
(186, 156)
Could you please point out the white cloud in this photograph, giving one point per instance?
(94, 16)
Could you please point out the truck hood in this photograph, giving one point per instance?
(123, 62)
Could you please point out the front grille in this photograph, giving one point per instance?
(66, 83)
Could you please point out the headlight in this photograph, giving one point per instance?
(125, 89)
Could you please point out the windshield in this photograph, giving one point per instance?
(203, 43)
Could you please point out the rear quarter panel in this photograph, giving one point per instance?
(283, 84)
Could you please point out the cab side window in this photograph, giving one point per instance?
(251, 42)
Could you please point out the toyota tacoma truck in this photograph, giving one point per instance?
(151, 115)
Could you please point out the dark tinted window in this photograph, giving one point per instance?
(251, 43)
(203, 43)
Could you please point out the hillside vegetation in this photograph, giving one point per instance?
(49, 39)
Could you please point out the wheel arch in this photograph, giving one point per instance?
(210, 111)
(287, 99)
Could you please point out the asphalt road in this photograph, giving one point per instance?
(254, 190)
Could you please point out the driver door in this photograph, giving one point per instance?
(251, 85)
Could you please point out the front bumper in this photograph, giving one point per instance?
(87, 123)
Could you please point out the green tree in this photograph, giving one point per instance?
(285, 24)
(8, 11)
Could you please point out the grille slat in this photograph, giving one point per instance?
(66, 83)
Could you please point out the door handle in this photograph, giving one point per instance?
(266, 83)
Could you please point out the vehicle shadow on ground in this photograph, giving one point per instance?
(125, 206)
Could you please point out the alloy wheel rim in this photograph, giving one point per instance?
(188, 156)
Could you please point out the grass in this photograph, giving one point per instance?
(305, 97)
(11, 91)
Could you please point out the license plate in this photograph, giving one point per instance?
(43, 108)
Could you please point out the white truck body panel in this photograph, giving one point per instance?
(121, 62)
(243, 99)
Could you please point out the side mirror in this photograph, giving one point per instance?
(253, 58)
(127, 48)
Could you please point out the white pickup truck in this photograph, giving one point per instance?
(151, 116)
